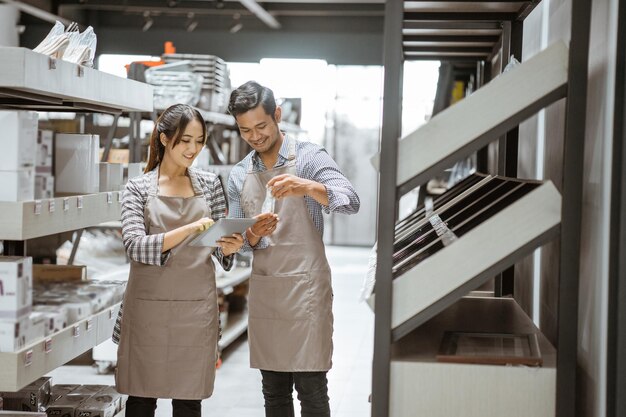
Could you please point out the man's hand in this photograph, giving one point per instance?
(265, 225)
(230, 244)
(287, 185)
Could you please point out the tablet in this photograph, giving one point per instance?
(223, 227)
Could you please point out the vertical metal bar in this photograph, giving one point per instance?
(79, 234)
(387, 203)
(482, 156)
(573, 154)
(109, 138)
(503, 149)
(616, 352)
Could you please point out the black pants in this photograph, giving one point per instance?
(312, 388)
(145, 407)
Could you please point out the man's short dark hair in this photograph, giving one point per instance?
(250, 95)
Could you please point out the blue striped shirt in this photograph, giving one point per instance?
(312, 163)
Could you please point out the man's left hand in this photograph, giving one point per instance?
(287, 185)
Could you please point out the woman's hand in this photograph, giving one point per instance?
(230, 244)
(202, 224)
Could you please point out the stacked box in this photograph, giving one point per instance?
(44, 180)
(17, 159)
(16, 283)
(34, 397)
(76, 163)
(111, 176)
(44, 187)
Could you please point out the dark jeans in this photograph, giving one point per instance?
(145, 407)
(312, 388)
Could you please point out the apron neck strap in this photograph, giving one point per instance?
(193, 176)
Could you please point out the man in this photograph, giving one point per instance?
(290, 301)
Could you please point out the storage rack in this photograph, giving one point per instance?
(32, 81)
(473, 32)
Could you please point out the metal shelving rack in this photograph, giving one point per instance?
(32, 81)
(474, 32)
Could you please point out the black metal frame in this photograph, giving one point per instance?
(570, 227)
(616, 351)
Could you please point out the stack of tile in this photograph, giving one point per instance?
(216, 85)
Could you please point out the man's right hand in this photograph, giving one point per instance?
(265, 225)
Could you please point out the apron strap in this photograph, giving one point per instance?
(153, 187)
(199, 191)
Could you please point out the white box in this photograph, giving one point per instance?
(111, 176)
(43, 164)
(44, 187)
(17, 185)
(16, 287)
(55, 315)
(76, 163)
(13, 334)
(19, 132)
(135, 169)
(36, 328)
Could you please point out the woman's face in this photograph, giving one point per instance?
(190, 145)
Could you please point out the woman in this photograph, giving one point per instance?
(169, 329)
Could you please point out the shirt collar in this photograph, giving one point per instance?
(283, 154)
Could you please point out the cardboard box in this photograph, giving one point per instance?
(13, 334)
(59, 273)
(44, 187)
(43, 163)
(105, 403)
(17, 185)
(35, 397)
(111, 176)
(16, 287)
(66, 405)
(61, 389)
(19, 134)
(76, 164)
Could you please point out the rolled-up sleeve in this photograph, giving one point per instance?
(342, 197)
(235, 185)
(140, 247)
(218, 211)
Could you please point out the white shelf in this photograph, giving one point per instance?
(480, 118)
(226, 283)
(237, 325)
(30, 219)
(39, 82)
(16, 373)
(487, 249)
(420, 385)
(218, 118)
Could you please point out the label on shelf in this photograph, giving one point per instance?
(89, 324)
(28, 357)
(79, 202)
(76, 331)
(66, 204)
(119, 196)
(37, 207)
(109, 197)
(47, 345)
(51, 206)
(112, 314)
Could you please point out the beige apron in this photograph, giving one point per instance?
(168, 346)
(290, 300)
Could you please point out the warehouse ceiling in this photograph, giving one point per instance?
(342, 32)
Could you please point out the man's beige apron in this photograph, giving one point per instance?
(168, 345)
(290, 301)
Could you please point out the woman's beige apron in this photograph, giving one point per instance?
(290, 300)
(168, 345)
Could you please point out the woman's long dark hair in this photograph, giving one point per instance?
(172, 122)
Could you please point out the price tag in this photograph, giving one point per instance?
(111, 314)
(109, 197)
(76, 331)
(79, 202)
(47, 345)
(66, 204)
(119, 196)
(28, 357)
(89, 324)
(51, 206)
(37, 207)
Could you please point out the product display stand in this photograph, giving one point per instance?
(414, 309)
(32, 81)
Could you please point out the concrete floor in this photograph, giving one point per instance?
(238, 388)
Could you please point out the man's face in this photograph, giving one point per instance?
(260, 130)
